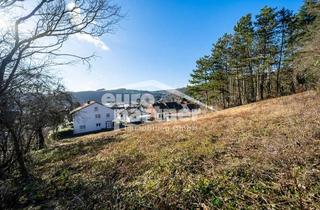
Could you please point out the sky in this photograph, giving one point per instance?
(157, 40)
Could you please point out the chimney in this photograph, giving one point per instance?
(88, 102)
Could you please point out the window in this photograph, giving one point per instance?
(82, 127)
(98, 115)
(98, 124)
(108, 124)
(108, 115)
(95, 108)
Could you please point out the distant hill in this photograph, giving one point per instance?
(95, 95)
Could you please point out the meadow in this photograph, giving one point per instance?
(264, 155)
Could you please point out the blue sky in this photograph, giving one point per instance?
(159, 40)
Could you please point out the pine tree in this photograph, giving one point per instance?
(306, 42)
(284, 22)
(221, 74)
(266, 48)
(244, 36)
(200, 79)
(275, 55)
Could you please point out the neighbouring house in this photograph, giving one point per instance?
(194, 108)
(92, 116)
(132, 115)
(157, 111)
(172, 110)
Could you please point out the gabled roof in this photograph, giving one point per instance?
(89, 103)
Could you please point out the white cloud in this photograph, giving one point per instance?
(76, 17)
(92, 40)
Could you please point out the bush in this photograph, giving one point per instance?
(62, 134)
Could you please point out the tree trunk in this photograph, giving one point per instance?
(258, 85)
(262, 86)
(279, 64)
(207, 97)
(293, 82)
(40, 138)
(239, 89)
(269, 83)
(19, 155)
(223, 97)
(253, 98)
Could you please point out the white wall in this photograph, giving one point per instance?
(87, 117)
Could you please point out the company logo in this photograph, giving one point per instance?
(163, 104)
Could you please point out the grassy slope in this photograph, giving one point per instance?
(265, 155)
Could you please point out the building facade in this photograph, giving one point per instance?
(91, 117)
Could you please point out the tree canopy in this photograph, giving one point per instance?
(276, 53)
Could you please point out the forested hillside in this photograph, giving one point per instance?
(272, 54)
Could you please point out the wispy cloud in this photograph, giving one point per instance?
(76, 16)
(92, 40)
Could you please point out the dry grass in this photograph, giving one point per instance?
(263, 155)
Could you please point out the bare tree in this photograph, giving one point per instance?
(40, 33)
(8, 3)
(49, 108)
(31, 43)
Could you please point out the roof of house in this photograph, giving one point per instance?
(174, 105)
(89, 103)
(193, 106)
(160, 105)
(133, 110)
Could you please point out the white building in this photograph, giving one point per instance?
(92, 116)
(132, 115)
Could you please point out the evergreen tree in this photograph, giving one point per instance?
(200, 79)
(222, 75)
(284, 21)
(306, 57)
(266, 48)
(244, 36)
(278, 54)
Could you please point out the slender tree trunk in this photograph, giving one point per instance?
(252, 98)
(40, 138)
(293, 82)
(269, 83)
(244, 91)
(280, 63)
(262, 86)
(19, 155)
(230, 90)
(207, 97)
(223, 97)
(239, 89)
(258, 85)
